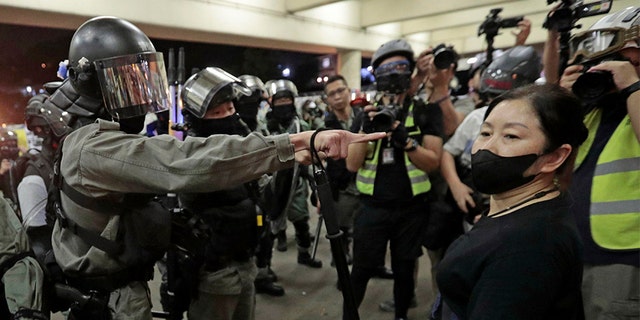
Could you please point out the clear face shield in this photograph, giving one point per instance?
(133, 85)
(210, 87)
(594, 44)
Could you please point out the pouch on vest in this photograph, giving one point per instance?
(22, 276)
(147, 227)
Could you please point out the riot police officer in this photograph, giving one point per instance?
(289, 186)
(225, 286)
(108, 233)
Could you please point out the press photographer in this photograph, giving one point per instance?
(604, 188)
(392, 175)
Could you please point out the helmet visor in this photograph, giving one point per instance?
(56, 119)
(594, 44)
(279, 86)
(133, 84)
(211, 87)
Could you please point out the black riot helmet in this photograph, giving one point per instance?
(281, 88)
(111, 59)
(398, 47)
(8, 144)
(40, 112)
(255, 84)
(393, 77)
(515, 68)
(209, 88)
(247, 106)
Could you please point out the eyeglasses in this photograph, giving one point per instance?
(340, 90)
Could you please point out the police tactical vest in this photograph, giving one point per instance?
(232, 218)
(366, 177)
(615, 191)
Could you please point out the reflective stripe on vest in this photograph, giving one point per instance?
(419, 179)
(615, 191)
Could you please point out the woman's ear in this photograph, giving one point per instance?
(554, 159)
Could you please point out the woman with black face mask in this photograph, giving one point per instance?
(523, 258)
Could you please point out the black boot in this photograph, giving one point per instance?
(305, 258)
(268, 287)
(282, 241)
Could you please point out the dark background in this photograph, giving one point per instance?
(29, 56)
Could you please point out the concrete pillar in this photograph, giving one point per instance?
(349, 64)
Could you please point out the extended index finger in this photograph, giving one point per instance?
(361, 137)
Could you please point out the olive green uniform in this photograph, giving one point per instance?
(101, 161)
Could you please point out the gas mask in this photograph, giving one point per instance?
(393, 77)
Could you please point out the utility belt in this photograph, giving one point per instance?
(109, 282)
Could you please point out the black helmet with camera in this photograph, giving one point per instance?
(111, 59)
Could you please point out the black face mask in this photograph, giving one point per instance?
(283, 114)
(493, 174)
(249, 113)
(230, 125)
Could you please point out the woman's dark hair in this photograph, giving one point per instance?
(560, 114)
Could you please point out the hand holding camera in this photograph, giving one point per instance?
(399, 136)
(622, 72)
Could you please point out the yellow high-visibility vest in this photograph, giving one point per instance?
(367, 173)
(615, 191)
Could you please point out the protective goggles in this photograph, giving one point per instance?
(133, 85)
(396, 67)
(209, 88)
(55, 118)
(594, 44)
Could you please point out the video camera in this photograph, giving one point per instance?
(493, 23)
(564, 17)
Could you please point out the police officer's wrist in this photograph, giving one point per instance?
(626, 92)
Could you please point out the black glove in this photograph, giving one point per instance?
(367, 124)
(399, 136)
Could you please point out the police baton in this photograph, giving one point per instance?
(334, 234)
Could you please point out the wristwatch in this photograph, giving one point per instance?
(414, 145)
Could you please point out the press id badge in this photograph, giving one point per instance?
(387, 156)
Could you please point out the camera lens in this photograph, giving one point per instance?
(383, 120)
(593, 85)
(443, 58)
